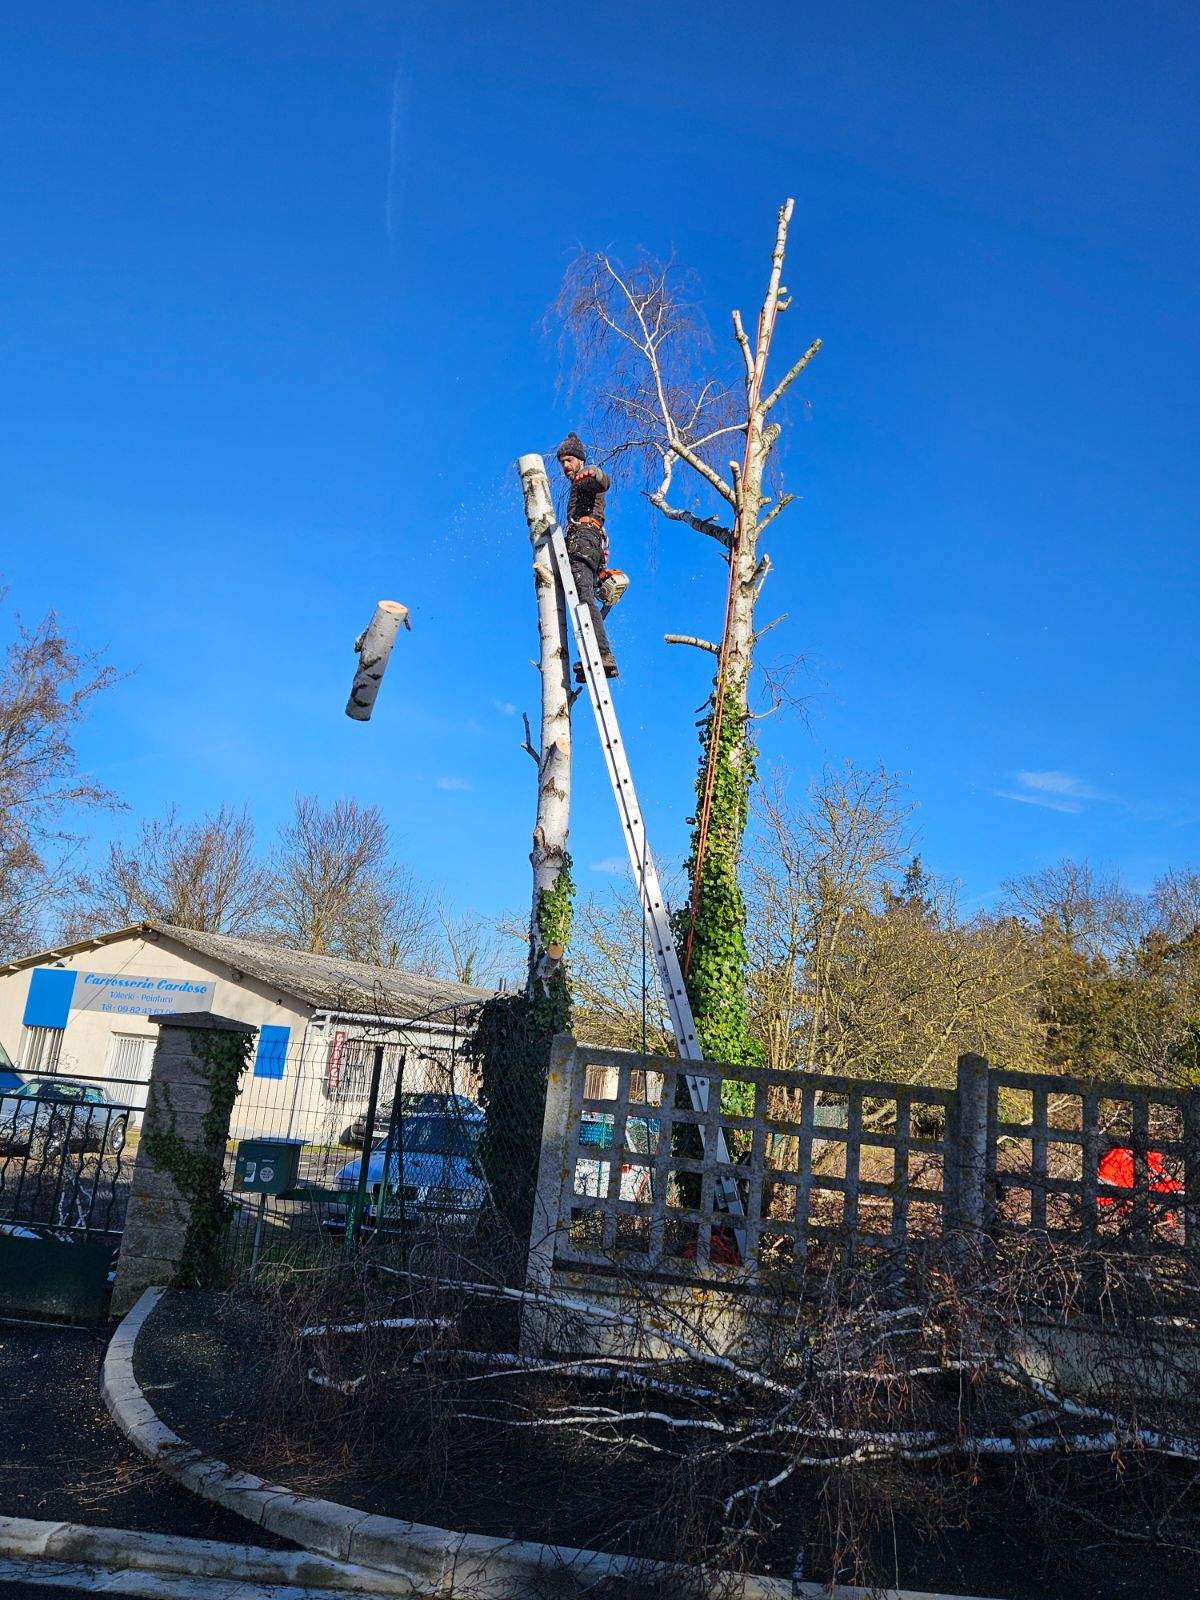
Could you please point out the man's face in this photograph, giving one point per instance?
(571, 465)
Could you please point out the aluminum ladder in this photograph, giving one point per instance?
(654, 907)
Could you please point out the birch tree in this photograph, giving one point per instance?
(706, 441)
(550, 913)
(515, 1031)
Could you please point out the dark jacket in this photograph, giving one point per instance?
(586, 498)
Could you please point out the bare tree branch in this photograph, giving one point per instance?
(698, 644)
(791, 375)
(781, 504)
(528, 744)
(765, 630)
(747, 353)
(706, 525)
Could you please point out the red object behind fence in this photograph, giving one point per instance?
(1116, 1168)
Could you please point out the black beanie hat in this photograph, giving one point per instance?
(572, 445)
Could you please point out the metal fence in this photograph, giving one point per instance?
(401, 1149)
(64, 1163)
(65, 1166)
(632, 1177)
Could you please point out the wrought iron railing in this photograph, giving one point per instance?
(64, 1166)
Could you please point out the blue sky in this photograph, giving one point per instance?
(275, 277)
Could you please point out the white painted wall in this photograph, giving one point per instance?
(87, 1039)
(295, 1105)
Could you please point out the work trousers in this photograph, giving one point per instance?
(586, 550)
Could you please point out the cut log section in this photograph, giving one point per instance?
(373, 647)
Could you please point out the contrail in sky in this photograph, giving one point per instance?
(397, 179)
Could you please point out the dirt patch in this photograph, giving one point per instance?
(62, 1458)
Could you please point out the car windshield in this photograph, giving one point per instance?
(437, 1136)
(47, 1089)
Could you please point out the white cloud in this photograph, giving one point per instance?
(1059, 783)
(613, 866)
(453, 783)
(505, 708)
(1053, 791)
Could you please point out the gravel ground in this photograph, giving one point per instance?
(63, 1459)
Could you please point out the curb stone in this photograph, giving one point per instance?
(34, 1574)
(70, 1543)
(423, 1561)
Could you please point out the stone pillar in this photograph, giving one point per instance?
(179, 1099)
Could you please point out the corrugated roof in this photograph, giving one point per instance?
(327, 982)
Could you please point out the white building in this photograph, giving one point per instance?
(86, 1011)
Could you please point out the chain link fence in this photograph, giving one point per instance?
(392, 1141)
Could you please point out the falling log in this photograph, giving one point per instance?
(373, 647)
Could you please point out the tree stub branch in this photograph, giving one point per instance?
(789, 376)
(781, 504)
(697, 644)
(781, 618)
(528, 744)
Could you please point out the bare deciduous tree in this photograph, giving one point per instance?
(637, 338)
(1119, 980)
(618, 998)
(478, 950)
(336, 889)
(202, 875)
(850, 974)
(46, 687)
(1073, 902)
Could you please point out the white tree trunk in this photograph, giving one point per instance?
(373, 647)
(553, 755)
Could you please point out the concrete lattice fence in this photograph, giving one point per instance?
(835, 1166)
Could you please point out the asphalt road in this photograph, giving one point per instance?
(37, 1591)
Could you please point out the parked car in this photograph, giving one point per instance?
(354, 1132)
(52, 1114)
(10, 1078)
(437, 1172)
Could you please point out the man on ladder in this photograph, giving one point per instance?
(587, 544)
(727, 1243)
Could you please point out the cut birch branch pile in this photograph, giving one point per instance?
(373, 647)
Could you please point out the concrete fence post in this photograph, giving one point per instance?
(966, 1189)
(179, 1099)
(551, 1181)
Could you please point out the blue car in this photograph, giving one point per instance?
(438, 1172)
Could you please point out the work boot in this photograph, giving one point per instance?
(610, 668)
(580, 675)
